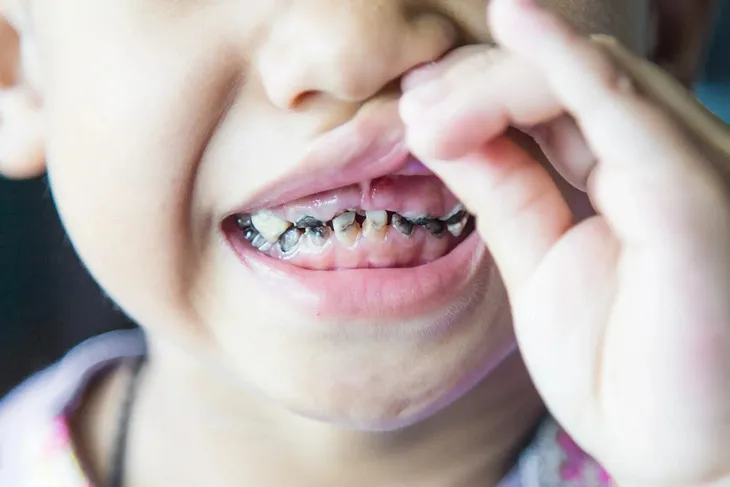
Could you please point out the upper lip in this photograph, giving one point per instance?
(369, 146)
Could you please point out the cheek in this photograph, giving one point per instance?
(127, 122)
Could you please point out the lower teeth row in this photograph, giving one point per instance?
(264, 229)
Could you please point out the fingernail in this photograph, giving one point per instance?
(420, 100)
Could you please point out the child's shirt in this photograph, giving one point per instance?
(36, 449)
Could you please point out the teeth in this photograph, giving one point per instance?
(259, 241)
(289, 239)
(375, 225)
(435, 227)
(243, 221)
(454, 215)
(249, 234)
(402, 225)
(269, 225)
(318, 235)
(457, 228)
(308, 222)
(346, 228)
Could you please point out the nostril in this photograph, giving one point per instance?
(301, 99)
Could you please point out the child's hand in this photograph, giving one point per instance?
(623, 319)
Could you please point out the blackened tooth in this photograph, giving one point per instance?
(456, 218)
(422, 220)
(259, 241)
(249, 234)
(308, 222)
(319, 235)
(435, 227)
(289, 240)
(243, 221)
(402, 225)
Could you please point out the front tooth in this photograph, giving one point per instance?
(374, 227)
(456, 229)
(289, 240)
(346, 228)
(318, 235)
(269, 225)
(402, 225)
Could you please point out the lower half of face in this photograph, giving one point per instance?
(246, 192)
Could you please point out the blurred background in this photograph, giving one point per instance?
(48, 303)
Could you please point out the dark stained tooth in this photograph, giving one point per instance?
(249, 233)
(319, 235)
(259, 241)
(402, 225)
(243, 221)
(436, 227)
(289, 239)
(308, 222)
(422, 220)
(456, 218)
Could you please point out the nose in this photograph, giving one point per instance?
(349, 50)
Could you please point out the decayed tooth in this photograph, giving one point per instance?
(455, 214)
(318, 235)
(346, 228)
(435, 227)
(243, 221)
(375, 225)
(308, 222)
(457, 217)
(269, 225)
(402, 225)
(249, 234)
(457, 228)
(289, 239)
(259, 241)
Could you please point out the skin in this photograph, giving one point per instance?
(143, 218)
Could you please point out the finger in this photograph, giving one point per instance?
(563, 144)
(668, 93)
(639, 147)
(520, 212)
(472, 101)
(601, 97)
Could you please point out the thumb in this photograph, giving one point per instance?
(520, 212)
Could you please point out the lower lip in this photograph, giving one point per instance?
(401, 293)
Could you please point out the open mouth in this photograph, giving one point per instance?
(363, 230)
(395, 221)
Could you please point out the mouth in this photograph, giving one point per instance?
(363, 229)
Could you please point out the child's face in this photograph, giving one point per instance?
(166, 119)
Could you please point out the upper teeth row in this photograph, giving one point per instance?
(264, 227)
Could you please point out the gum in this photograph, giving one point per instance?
(411, 196)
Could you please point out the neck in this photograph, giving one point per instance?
(184, 416)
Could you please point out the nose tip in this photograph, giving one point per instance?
(349, 52)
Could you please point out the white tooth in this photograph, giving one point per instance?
(375, 225)
(378, 218)
(459, 207)
(456, 229)
(346, 228)
(270, 226)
